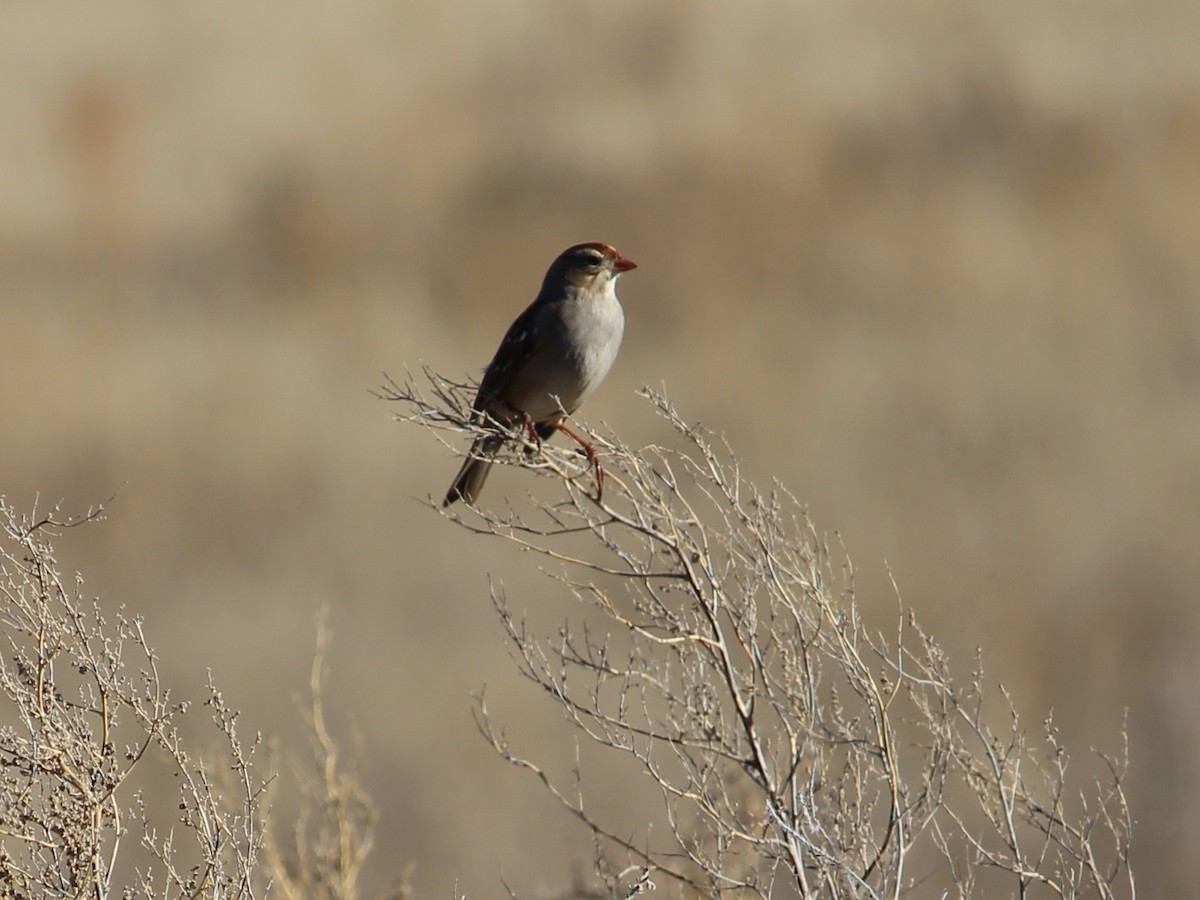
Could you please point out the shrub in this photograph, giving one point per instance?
(86, 708)
(797, 748)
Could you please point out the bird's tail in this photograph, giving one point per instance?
(470, 478)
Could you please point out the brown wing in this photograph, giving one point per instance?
(514, 353)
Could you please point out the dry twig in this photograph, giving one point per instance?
(797, 748)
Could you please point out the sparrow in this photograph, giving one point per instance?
(553, 355)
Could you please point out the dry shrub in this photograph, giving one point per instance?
(86, 712)
(798, 749)
(86, 708)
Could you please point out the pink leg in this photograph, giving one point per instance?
(592, 457)
(531, 429)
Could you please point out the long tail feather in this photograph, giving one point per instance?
(475, 468)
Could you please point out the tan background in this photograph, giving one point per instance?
(933, 264)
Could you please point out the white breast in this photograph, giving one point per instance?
(590, 338)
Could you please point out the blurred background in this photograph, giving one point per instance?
(934, 265)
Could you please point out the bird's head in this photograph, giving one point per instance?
(587, 265)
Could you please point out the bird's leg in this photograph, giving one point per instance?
(591, 454)
(531, 429)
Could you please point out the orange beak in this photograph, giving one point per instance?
(623, 264)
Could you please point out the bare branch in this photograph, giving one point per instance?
(791, 741)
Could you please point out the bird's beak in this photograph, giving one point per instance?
(623, 264)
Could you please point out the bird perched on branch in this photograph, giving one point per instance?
(555, 354)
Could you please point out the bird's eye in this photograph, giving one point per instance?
(590, 259)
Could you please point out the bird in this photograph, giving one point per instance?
(553, 355)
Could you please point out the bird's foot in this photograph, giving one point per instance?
(593, 458)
